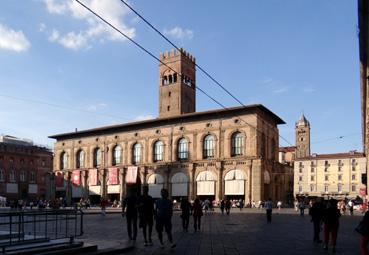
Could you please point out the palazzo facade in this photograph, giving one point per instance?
(226, 152)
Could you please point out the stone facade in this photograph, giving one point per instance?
(337, 175)
(210, 154)
(24, 169)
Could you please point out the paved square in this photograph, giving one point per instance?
(245, 232)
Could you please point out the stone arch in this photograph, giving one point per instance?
(155, 183)
(234, 182)
(179, 182)
(205, 182)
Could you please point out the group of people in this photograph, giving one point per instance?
(143, 209)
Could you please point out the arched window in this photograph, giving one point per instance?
(158, 151)
(136, 158)
(22, 176)
(12, 177)
(32, 177)
(182, 149)
(63, 160)
(117, 155)
(237, 144)
(97, 157)
(209, 147)
(80, 162)
(2, 175)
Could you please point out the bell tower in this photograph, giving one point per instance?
(177, 83)
(302, 130)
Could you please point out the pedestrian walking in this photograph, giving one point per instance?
(316, 213)
(302, 207)
(222, 206)
(363, 230)
(241, 204)
(269, 208)
(146, 214)
(103, 204)
(331, 217)
(163, 215)
(129, 210)
(228, 205)
(350, 204)
(197, 214)
(185, 215)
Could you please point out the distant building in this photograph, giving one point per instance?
(24, 169)
(229, 152)
(302, 134)
(338, 175)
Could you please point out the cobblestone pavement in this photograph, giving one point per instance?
(245, 232)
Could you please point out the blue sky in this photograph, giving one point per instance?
(61, 69)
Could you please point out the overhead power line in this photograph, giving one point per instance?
(163, 63)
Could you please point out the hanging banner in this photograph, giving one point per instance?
(131, 176)
(76, 177)
(59, 180)
(92, 177)
(113, 176)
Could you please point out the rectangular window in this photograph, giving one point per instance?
(300, 165)
(312, 178)
(353, 177)
(312, 188)
(326, 178)
(340, 188)
(326, 169)
(300, 189)
(339, 169)
(326, 189)
(312, 169)
(353, 188)
(300, 178)
(340, 177)
(300, 170)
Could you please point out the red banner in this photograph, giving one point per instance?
(113, 176)
(131, 176)
(92, 177)
(59, 180)
(76, 177)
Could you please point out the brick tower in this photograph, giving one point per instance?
(302, 130)
(177, 93)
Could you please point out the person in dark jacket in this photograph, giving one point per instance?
(331, 216)
(197, 214)
(129, 210)
(185, 215)
(364, 232)
(222, 206)
(163, 216)
(316, 213)
(146, 214)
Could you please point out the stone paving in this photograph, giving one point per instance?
(245, 232)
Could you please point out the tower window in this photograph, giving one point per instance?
(175, 77)
(168, 108)
(169, 94)
(170, 79)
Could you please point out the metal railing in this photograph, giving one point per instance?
(27, 226)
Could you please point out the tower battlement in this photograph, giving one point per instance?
(176, 53)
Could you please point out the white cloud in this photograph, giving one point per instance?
(41, 27)
(179, 33)
(96, 30)
(143, 117)
(280, 90)
(13, 40)
(95, 107)
(54, 35)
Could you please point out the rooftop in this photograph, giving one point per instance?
(170, 120)
(350, 154)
